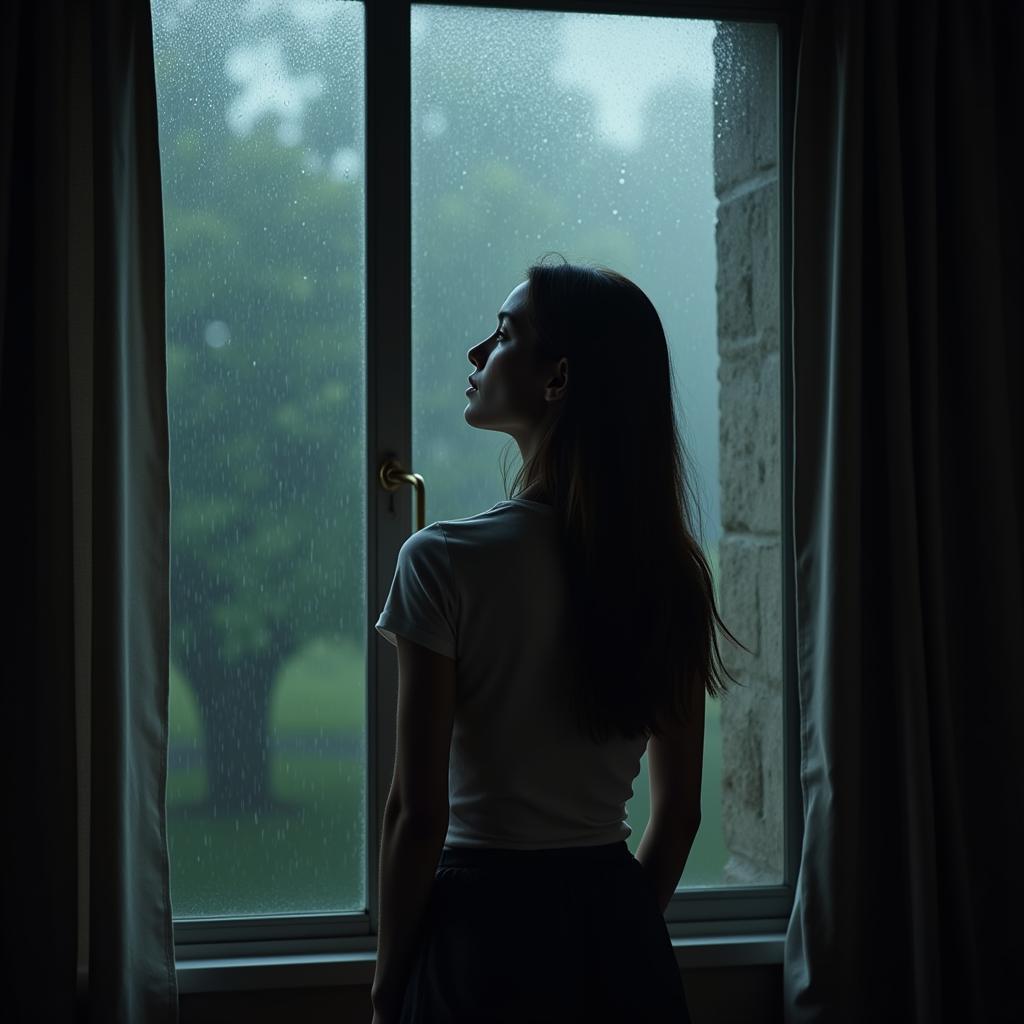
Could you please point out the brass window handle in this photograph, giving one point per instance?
(392, 475)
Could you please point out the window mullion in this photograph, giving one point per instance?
(389, 378)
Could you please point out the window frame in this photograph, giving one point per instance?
(709, 927)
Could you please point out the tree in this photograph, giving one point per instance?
(264, 359)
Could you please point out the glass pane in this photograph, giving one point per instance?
(597, 136)
(261, 138)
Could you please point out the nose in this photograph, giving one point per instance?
(477, 355)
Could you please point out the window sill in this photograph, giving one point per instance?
(236, 974)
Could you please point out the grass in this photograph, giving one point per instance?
(313, 858)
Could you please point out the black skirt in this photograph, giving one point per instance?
(567, 934)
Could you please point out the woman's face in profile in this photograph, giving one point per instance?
(510, 385)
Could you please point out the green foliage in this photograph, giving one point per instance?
(322, 687)
(257, 469)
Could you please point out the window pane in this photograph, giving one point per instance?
(261, 138)
(598, 136)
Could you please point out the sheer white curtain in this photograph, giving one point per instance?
(87, 918)
(908, 512)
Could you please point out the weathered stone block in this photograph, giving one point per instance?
(738, 562)
(734, 283)
(747, 282)
(749, 466)
(771, 725)
(763, 217)
(742, 770)
(741, 871)
(769, 602)
(752, 812)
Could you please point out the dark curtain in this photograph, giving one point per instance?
(86, 508)
(908, 512)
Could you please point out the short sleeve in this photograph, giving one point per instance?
(421, 604)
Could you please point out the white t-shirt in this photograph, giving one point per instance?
(488, 591)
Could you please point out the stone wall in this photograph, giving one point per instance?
(748, 288)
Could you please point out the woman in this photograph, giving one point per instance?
(543, 645)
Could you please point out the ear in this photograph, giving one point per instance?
(559, 383)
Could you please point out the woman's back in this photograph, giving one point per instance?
(489, 590)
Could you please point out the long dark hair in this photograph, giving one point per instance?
(642, 611)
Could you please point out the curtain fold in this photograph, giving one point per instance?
(84, 441)
(908, 511)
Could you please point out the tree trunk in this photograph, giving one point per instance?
(234, 702)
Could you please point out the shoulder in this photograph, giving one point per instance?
(463, 541)
(428, 546)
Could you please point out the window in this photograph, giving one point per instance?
(303, 348)
(261, 135)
